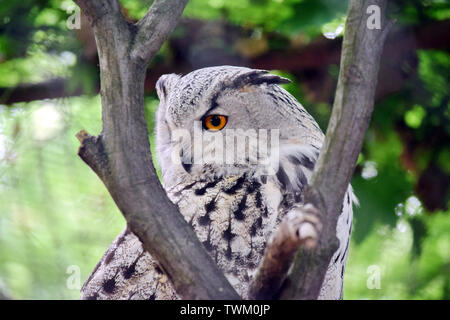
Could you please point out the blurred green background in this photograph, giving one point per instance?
(56, 217)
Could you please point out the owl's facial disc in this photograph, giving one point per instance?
(226, 120)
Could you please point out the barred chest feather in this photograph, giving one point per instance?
(233, 219)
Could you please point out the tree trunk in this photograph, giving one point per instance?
(121, 157)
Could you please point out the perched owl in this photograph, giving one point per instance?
(233, 195)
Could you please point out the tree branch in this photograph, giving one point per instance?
(49, 89)
(155, 27)
(97, 10)
(352, 109)
(121, 157)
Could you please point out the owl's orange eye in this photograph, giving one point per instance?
(214, 122)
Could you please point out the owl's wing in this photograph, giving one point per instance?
(126, 271)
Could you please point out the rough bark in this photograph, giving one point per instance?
(121, 157)
(352, 110)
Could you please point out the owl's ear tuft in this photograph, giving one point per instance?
(165, 84)
(257, 77)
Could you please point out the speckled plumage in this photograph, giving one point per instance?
(232, 207)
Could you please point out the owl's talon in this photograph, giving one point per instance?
(308, 234)
(305, 224)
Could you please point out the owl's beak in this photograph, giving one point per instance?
(186, 166)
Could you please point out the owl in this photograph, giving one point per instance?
(236, 151)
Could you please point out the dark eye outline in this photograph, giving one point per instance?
(223, 120)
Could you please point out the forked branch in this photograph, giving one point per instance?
(154, 28)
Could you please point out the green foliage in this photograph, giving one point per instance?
(402, 277)
(51, 204)
(417, 11)
(21, 20)
(286, 16)
(414, 117)
(381, 191)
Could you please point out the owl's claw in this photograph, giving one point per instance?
(305, 224)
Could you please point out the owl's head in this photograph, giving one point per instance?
(214, 122)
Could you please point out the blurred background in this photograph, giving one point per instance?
(57, 218)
